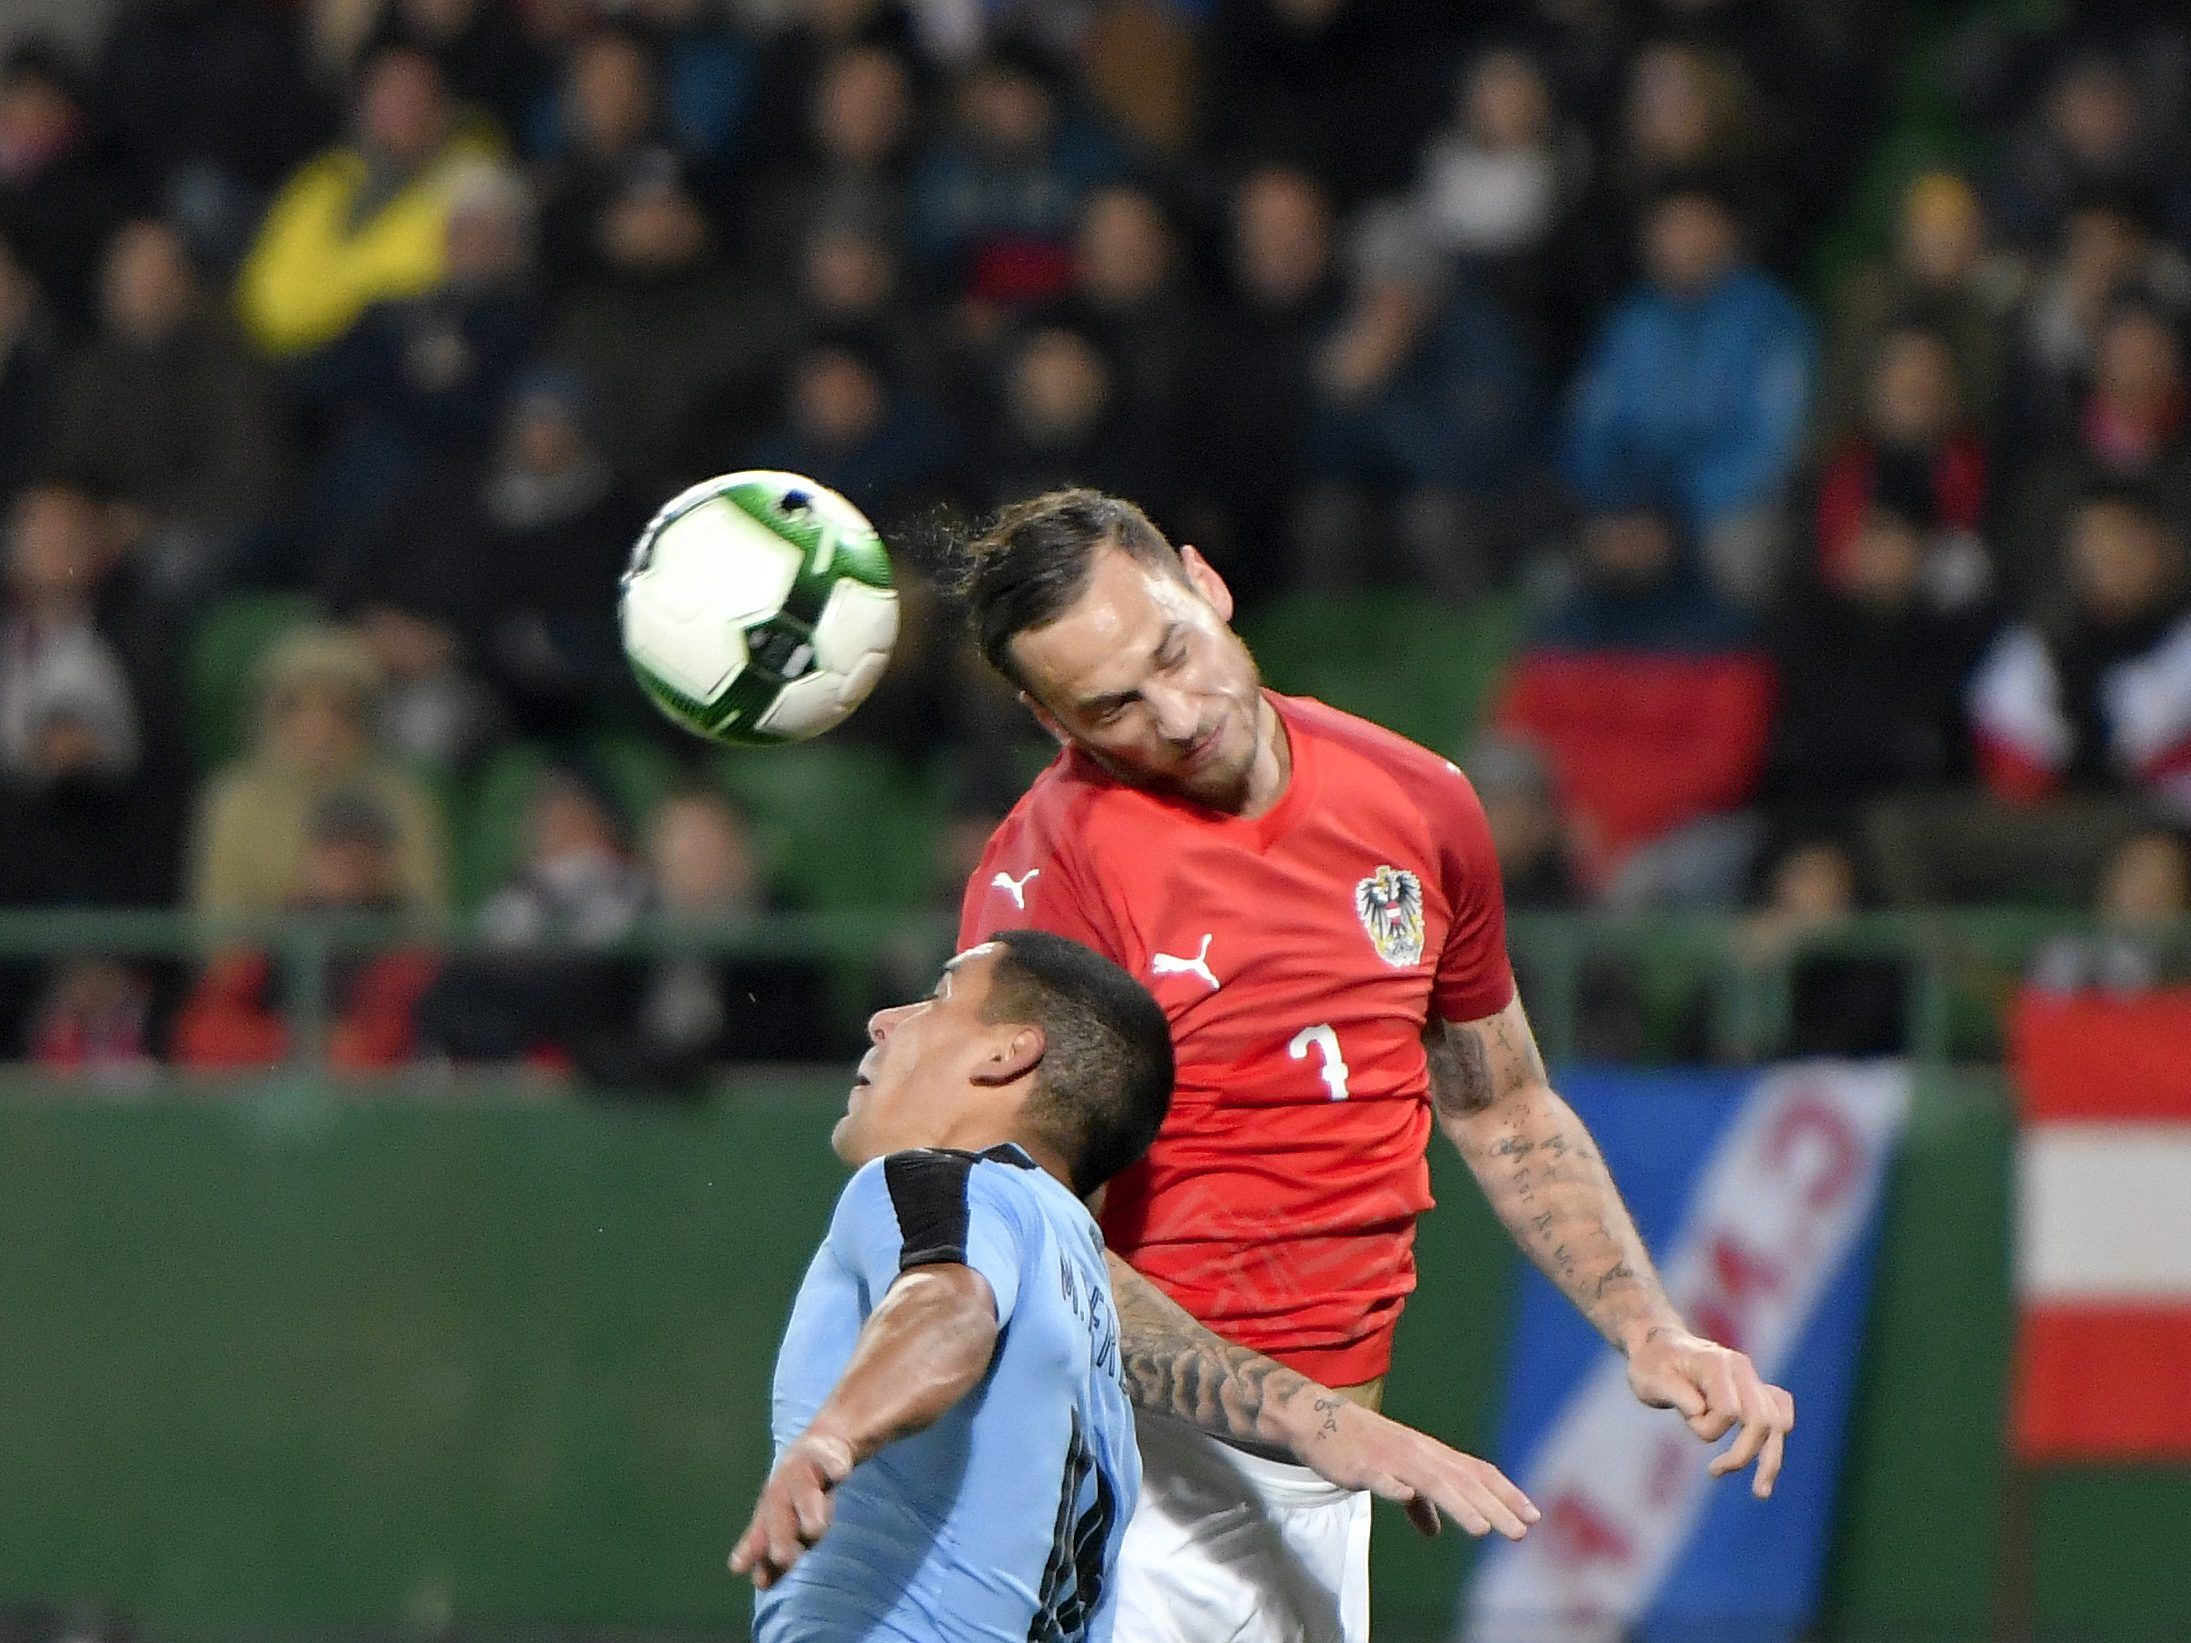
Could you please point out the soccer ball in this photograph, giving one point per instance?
(758, 608)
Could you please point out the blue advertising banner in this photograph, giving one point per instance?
(1758, 1193)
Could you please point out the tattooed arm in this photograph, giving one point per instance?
(1175, 1366)
(1541, 1172)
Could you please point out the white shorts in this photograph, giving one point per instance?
(1227, 1547)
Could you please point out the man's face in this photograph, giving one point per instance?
(934, 1066)
(1143, 673)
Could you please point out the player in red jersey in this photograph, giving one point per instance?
(1315, 903)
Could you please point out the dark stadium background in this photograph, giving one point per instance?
(1718, 424)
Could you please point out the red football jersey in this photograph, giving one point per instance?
(1298, 955)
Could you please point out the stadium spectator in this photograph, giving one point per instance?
(512, 563)
(1916, 455)
(1944, 276)
(1872, 671)
(2091, 133)
(1838, 1004)
(30, 371)
(78, 828)
(1701, 379)
(59, 195)
(614, 124)
(1425, 412)
(1687, 110)
(1500, 185)
(314, 739)
(364, 222)
(134, 422)
(850, 423)
(2106, 256)
(1652, 701)
(1061, 422)
(853, 171)
(578, 888)
(236, 1017)
(422, 379)
(1528, 831)
(1345, 88)
(2131, 427)
(211, 104)
(481, 47)
(690, 1014)
(1128, 294)
(798, 55)
(994, 200)
(57, 643)
(2144, 901)
(683, 354)
(1252, 373)
(94, 1022)
(707, 73)
(2097, 694)
(851, 280)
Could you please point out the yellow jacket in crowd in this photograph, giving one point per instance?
(317, 265)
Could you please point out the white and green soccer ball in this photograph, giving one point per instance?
(758, 608)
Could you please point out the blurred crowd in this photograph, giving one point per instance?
(1822, 427)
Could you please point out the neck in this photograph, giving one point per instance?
(1046, 1156)
(1273, 766)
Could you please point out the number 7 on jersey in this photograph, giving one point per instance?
(1326, 1044)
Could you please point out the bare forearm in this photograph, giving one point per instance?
(1177, 1366)
(924, 1348)
(1542, 1174)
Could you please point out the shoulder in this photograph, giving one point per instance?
(1415, 768)
(331, 171)
(932, 1195)
(1067, 812)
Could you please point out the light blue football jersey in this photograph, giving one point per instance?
(1001, 1523)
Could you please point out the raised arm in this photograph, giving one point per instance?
(925, 1347)
(1176, 1366)
(1543, 1176)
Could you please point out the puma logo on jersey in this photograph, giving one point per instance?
(1015, 888)
(1171, 964)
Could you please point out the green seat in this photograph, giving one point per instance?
(224, 653)
(639, 774)
(487, 842)
(1397, 658)
(842, 826)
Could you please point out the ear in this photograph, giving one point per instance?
(1203, 578)
(1045, 718)
(1011, 1059)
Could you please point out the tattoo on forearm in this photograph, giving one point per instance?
(1542, 1175)
(1460, 1071)
(1175, 1366)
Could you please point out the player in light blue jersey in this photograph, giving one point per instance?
(955, 1452)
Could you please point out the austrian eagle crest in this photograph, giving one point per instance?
(1390, 905)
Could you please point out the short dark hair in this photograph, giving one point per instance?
(1106, 1077)
(1027, 565)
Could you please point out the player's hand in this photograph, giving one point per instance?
(1716, 1389)
(794, 1509)
(1357, 1448)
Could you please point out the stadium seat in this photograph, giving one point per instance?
(224, 652)
(638, 772)
(842, 825)
(487, 823)
(1398, 658)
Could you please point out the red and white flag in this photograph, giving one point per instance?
(2103, 1254)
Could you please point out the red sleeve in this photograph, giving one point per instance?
(1474, 978)
(1022, 884)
